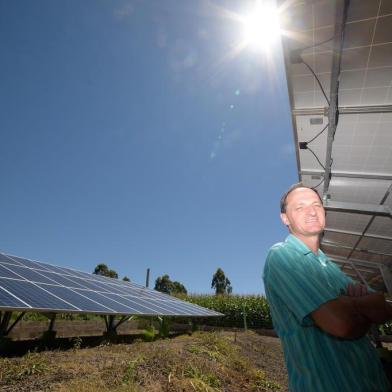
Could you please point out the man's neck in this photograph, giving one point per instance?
(312, 242)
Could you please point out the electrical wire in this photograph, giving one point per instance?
(316, 186)
(314, 138)
(318, 44)
(318, 160)
(317, 79)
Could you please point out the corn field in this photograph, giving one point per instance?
(234, 307)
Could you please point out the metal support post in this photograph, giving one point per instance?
(148, 277)
(51, 323)
(4, 321)
(387, 277)
(15, 322)
(333, 113)
(110, 333)
(123, 320)
(50, 334)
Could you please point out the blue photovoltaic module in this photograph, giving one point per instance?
(27, 285)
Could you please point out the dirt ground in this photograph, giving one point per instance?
(203, 362)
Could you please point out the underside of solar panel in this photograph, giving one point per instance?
(27, 285)
(338, 58)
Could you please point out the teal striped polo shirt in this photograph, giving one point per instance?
(296, 283)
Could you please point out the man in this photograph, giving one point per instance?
(321, 315)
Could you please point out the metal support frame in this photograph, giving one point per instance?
(324, 111)
(339, 246)
(15, 322)
(365, 176)
(109, 321)
(359, 262)
(52, 319)
(5, 319)
(365, 270)
(333, 114)
(366, 235)
(111, 326)
(387, 193)
(358, 208)
(375, 278)
(358, 272)
(123, 320)
(387, 277)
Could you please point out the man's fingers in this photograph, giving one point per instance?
(356, 290)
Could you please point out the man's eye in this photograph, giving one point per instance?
(298, 209)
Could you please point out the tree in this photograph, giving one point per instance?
(126, 279)
(221, 283)
(165, 285)
(103, 270)
(179, 288)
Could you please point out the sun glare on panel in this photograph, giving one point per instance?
(260, 26)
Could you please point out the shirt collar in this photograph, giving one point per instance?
(298, 244)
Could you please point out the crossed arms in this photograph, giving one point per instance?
(351, 315)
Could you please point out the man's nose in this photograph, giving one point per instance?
(311, 211)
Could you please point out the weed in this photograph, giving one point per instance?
(261, 381)
(149, 334)
(211, 354)
(76, 342)
(200, 381)
(130, 373)
(31, 364)
(215, 347)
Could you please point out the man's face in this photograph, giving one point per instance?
(305, 214)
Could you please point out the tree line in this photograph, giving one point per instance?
(220, 282)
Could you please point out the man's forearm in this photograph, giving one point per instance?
(341, 318)
(351, 317)
(374, 307)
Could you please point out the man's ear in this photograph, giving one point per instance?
(284, 219)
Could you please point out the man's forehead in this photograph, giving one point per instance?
(304, 194)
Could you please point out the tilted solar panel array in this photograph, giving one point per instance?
(27, 285)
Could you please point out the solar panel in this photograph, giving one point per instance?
(360, 153)
(28, 285)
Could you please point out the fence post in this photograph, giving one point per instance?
(244, 316)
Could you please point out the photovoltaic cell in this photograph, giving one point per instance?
(30, 275)
(34, 295)
(8, 259)
(6, 273)
(108, 302)
(32, 285)
(76, 299)
(147, 308)
(137, 305)
(66, 281)
(9, 301)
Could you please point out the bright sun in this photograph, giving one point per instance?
(261, 26)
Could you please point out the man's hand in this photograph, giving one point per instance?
(357, 290)
(351, 316)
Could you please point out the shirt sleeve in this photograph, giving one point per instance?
(298, 282)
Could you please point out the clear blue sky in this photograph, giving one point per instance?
(130, 135)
